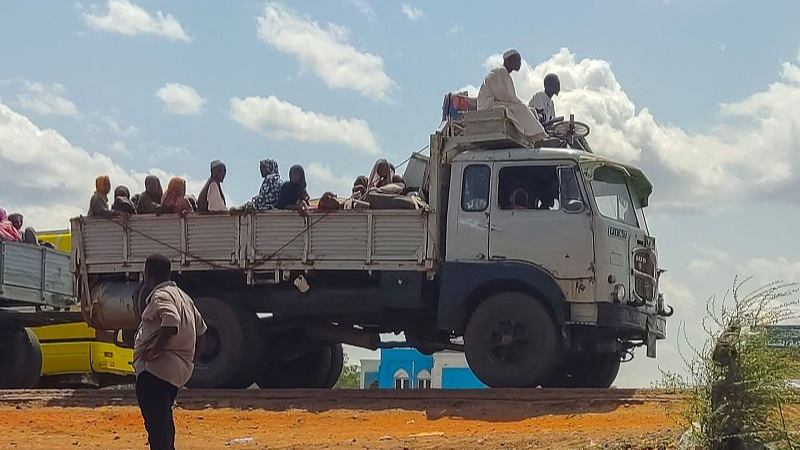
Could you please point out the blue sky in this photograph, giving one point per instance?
(700, 93)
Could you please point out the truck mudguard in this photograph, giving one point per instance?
(465, 284)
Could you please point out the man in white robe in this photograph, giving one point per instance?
(542, 101)
(497, 91)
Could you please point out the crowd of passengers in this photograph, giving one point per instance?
(381, 189)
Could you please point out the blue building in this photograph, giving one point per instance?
(406, 368)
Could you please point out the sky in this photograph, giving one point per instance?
(705, 105)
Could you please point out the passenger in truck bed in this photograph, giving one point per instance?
(293, 194)
(270, 189)
(382, 174)
(8, 232)
(211, 198)
(174, 200)
(150, 200)
(98, 205)
(122, 201)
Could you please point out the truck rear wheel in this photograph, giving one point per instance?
(230, 348)
(337, 364)
(586, 371)
(511, 341)
(20, 359)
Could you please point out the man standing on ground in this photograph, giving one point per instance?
(211, 197)
(165, 350)
(542, 101)
(497, 91)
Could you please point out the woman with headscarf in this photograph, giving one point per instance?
(174, 200)
(293, 194)
(98, 205)
(8, 232)
(150, 199)
(381, 175)
(270, 190)
(122, 201)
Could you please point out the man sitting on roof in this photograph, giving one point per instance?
(542, 102)
(497, 91)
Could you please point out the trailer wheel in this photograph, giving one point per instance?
(20, 359)
(586, 371)
(308, 371)
(230, 347)
(337, 364)
(511, 341)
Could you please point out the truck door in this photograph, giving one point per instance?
(468, 213)
(539, 214)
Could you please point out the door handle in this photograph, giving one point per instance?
(495, 228)
(498, 257)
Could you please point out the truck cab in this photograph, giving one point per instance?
(558, 228)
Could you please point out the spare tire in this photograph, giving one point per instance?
(310, 370)
(20, 358)
(231, 344)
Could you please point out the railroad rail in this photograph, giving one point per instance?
(313, 399)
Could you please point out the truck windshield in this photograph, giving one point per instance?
(610, 187)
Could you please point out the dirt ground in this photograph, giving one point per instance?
(465, 423)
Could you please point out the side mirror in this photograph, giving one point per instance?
(574, 206)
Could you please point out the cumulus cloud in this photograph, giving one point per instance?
(282, 120)
(126, 18)
(47, 100)
(413, 13)
(52, 178)
(321, 178)
(752, 152)
(325, 50)
(181, 99)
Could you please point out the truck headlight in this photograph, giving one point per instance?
(619, 293)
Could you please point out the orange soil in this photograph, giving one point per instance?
(641, 425)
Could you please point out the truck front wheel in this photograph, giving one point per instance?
(20, 358)
(230, 348)
(511, 341)
(586, 371)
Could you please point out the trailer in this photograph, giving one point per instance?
(555, 291)
(36, 289)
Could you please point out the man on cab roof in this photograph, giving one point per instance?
(211, 198)
(497, 91)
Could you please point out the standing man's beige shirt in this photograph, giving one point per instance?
(169, 306)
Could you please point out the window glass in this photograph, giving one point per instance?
(475, 188)
(529, 188)
(610, 187)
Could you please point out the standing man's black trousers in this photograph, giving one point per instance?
(156, 398)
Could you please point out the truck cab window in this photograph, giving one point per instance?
(529, 187)
(610, 187)
(475, 188)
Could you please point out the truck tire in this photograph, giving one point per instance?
(308, 371)
(231, 346)
(511, 341)
(337, 364)
(586, 371)
(20, 359)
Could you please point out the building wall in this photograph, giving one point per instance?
(446, 370)
(409, 360)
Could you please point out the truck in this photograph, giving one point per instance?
(36, 289)
(556, 290)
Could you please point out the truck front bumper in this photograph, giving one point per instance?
(652, 326)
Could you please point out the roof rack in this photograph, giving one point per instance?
(481, 130)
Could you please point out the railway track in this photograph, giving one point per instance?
(345, 399)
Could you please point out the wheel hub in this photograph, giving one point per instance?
(508, 342)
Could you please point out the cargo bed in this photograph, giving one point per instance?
(258, 244)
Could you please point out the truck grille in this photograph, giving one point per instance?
(644, 264)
